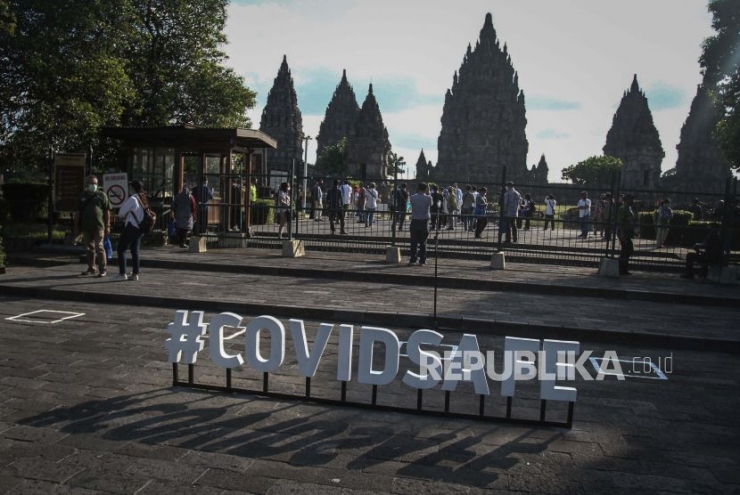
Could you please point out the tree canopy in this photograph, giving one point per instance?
(593, 171)
(396, 164)
(72, 66)
(333, 159)
(720, 62)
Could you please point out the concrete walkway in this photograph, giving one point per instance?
(561, 302)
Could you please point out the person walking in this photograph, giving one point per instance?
(512, 200)
(452, 208)
(283, 208)
(665, 213)
(346, 190)
(203, 195)
(466, 207)
(183, 210)
(93, 221)
(480, 212)
(335, 206)
(625, 233)
(400, 199)
(421, 204)
(318, 200)
(584, 214)
(550, 204)
(371, 204)
(132, 213)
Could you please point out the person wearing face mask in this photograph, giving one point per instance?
(94, 224)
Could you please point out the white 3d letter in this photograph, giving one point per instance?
(216, 343)
(430, 364)
(517, 346)
(548, 389)
(277, 344)
(309, 362)
(365, 372)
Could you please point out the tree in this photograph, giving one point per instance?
(396, 164)
(177, 67)
(593, 171)
(70, 67)
(721, 69)
(333, 159)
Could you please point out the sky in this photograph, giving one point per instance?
(575, 60)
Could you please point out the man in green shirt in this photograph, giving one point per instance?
(625, 232)
(94, 224)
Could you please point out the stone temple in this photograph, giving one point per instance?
(483, 120)
(701, 165)
(634, 139)
(368, 146)
(282, 120)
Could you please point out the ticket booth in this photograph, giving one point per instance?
(219, 164)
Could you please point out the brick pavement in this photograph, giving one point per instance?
(86, 405)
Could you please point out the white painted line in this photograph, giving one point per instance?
(23, 318)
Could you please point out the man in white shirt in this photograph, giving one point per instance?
(346, 190)
(584, 213)
(421, 204)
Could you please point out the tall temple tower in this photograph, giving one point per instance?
(634, 139)
(483, 121)
(423, 168)
(368, 149)
(282, 120)
(701, 165)
(340, 117)
(538, 173)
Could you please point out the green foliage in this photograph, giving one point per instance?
(73, 66)
(396, 164)
(2, 253)
(7, 19)
(681, 227)
(719, 62)
(26, 201)
(38, 232)
(263, 212)
(593, 171)
(333, 159)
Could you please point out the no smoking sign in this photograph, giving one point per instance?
(116, 188)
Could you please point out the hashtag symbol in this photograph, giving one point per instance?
(187, 336)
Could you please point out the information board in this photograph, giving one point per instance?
(69, 180)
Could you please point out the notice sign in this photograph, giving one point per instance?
(116, 187)
(69, 176)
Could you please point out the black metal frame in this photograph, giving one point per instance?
(307, 397)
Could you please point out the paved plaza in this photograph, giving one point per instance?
(87, 403)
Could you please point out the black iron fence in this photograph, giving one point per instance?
(552, 229)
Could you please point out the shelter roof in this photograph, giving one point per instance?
(190, 138)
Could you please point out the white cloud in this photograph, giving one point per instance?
(575, 51)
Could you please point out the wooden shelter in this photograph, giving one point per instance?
(167, 158)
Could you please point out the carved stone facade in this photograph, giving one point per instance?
(634, 139)
(701, 165)
(484, 117)
(423, 168)
(282, 120)
(340, 117)
(538, 173)
(368, 149)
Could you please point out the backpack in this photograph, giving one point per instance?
(150, 218)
